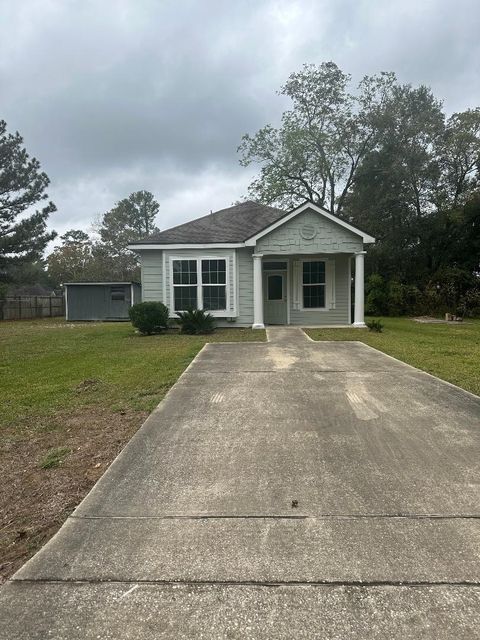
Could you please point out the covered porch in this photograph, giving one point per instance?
(308, 289)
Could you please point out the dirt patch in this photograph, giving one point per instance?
(35, 501)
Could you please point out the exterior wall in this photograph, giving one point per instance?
(338, 281)
(240, 283)
(245, 286)
(309, 233)
(93, 302)
(152, 275)
(156, 279)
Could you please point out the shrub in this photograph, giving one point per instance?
(375, 325)
(470, 303)
(149, 317)
(402, 299)
(376, 298)
(452, 283)
(195, 322)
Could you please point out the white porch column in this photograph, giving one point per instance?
(359, 320)
(257, 292)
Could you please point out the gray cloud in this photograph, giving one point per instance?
(124, 95)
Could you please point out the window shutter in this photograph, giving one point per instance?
(330, 284)
(296, 284)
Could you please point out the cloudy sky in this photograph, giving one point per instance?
(121, 95)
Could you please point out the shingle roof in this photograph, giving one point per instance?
(234, 224)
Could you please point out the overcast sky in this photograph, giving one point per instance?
(117, 96)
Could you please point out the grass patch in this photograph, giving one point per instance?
(71, 397)
(48, 365)
(451, 352)
(54, 457)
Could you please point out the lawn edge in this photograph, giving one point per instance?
(410, 366)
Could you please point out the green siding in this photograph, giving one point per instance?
(152, 281)
(245, 286)
(328, 237)
(241, 283)
(340, 314)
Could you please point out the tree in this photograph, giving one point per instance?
(460, 157)
(23, 233)
(322, 140)
(130, 219)
(73, 259)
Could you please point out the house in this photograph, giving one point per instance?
(100, 300)
(251, 265)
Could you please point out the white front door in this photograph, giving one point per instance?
(275, 297)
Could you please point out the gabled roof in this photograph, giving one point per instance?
(240, 225)
(366, 238)
(231, 225)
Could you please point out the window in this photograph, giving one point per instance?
(117, 293)
(313, 285)
(200, 284)
(214, 290)
(275, 287)
(184, 284)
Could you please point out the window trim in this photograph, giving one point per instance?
(120, 289)
(326, 306)
(227, 312)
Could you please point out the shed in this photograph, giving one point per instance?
(100, 300)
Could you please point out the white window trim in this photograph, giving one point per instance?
(219, 313)
(325, 284)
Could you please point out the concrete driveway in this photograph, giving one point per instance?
(282, 490)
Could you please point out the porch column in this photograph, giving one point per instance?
(257, 292)
(359, 320)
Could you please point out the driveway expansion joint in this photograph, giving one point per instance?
(260, 583)
(323, 516)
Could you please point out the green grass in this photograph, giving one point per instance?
(48, 366)
(54, 457)
(451, 352)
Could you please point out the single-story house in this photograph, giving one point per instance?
(100, 300)
(252, 264)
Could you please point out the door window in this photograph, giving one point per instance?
(275, 287)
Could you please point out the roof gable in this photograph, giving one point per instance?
(239, 225)
(252, 240)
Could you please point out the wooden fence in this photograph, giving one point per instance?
(25, 307)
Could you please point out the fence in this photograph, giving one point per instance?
(25, 307)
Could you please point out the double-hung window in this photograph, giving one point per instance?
(200, 284)
(313, 284)
(185, 281)
(214, 284)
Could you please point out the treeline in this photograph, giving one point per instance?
(104, 255)
(385, 157)
(24, 211)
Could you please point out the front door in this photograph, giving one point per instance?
(275, 297)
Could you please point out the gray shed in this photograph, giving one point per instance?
(100, 300)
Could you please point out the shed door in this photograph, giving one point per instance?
(119, 301)
(275, 297)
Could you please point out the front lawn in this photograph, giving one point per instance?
(71, 396)
(451, 352)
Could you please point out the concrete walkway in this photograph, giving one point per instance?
(282, 490)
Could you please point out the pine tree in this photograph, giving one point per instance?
(23, 235)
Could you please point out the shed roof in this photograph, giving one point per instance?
(68, 284)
